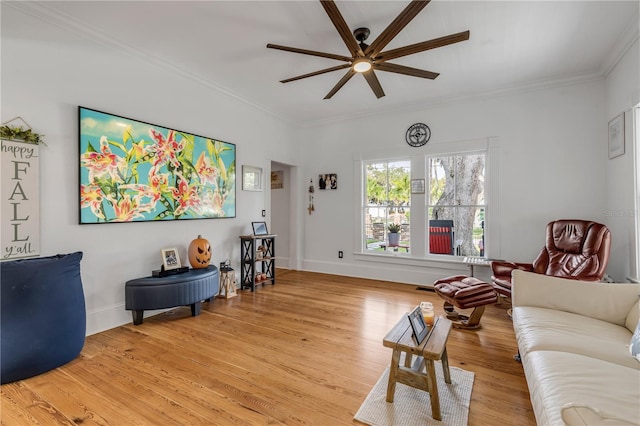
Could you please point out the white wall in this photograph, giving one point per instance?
(552, 165)
(44, 81)
(623, 93)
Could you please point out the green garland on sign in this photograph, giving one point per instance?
(21, 135)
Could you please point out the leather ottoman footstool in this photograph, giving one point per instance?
(464, 293)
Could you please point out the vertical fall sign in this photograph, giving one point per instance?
(19, 169)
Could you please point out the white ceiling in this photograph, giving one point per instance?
(513, 45)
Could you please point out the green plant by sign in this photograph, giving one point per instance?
(21, 135)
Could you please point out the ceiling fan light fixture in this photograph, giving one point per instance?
(361, 65)
(367, 59)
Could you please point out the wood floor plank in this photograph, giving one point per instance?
(305, 351)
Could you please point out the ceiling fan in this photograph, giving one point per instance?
(366, 59)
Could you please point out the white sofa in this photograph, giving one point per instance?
(573, 338)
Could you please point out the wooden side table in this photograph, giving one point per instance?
(434, 347)
(227, 283)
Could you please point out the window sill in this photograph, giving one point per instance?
(401, 258)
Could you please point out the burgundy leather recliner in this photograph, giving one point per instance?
(574, 249)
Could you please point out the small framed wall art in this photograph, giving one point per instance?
(277, 179)
(616, 136)
(251, 178)
(417, 186)
(328, 181)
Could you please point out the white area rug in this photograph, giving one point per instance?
(413, 407)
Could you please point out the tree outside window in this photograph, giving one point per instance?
(456, 205)
(387, 201)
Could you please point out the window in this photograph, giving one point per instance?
(387, 202)
(454, 216)
(456, 204)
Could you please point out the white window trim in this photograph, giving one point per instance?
(418, 254)
(484, 151)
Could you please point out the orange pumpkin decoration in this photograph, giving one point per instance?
(199, 253)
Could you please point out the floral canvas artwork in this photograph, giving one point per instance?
(133, 171)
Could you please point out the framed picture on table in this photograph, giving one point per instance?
(419, 327)
(170, 258)
(259, 228)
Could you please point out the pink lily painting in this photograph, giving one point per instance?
(133, 171)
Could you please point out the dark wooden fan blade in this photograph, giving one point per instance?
(374, 83)
(310, 52)
(421, 47)
(342, 27)
(311, 74)
(341, 83)
(401, 69)
(395, 27)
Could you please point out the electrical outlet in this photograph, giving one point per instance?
(340, 254)
(264, 213)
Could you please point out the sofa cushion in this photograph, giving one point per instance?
(604, 301)
(579, 415)
(42, 315)
(547, 329)
(559, 378)
(634, 346)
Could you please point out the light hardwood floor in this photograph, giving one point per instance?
(305, 351)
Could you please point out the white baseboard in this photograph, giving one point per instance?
(417, 275)
(108, 317)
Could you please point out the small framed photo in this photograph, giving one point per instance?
(417, 186)
(419, 327)
(170, 258)
(328, 181)
(259, 228)
(251, 178)
(277, 179)
(616, 136)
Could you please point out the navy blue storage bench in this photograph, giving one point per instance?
(189, 288)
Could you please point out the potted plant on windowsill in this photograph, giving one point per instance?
(394, 234)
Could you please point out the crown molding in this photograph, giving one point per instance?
(448, 100)
(626, 41)
(42, 11)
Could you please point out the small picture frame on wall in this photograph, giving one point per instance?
(170, 258)
(251, 178)
(417, 186)
(328, 181)
(616, 136)
(277, 180)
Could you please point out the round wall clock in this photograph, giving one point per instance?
(418, 134)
